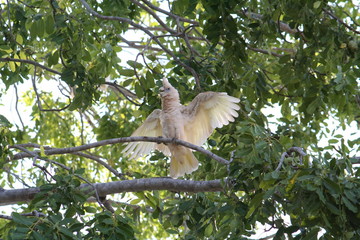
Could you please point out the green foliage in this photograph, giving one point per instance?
(300, 57)
(67, 216)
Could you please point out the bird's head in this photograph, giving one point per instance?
(167, 91)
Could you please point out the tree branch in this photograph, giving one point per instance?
(150, 34)
(340, 21)
(17, 109)
(36, 156)
(33, 213)
(14, 196)
(287, 154)
(170, 14)
(30, 62)
(54, 151)
(126, 93)
(38, 99)
(265, 52)
(283, 26)
(152, 13)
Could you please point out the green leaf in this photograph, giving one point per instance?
(4, 122)
(138, 90)
(333, 187)
(247, 139)
(244, 151)
(127, 72)
(86, 55)
(49, 24)
(19, 39)
(317, 4)
(349, 205)
(332, 208)
(332, 141)
(261, 145)
(66, 232)
(208, 230)
(23, 220)
(40, 25)
(171, 231)
(6, 49)
(312, 234)
(70, 212)
(313, 106)
(254, 204)
(134, 64)
(68, 76)
(37, 236)
(12, 66)
(212, 142)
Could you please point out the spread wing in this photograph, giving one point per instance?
(151, 127)
(206, 112)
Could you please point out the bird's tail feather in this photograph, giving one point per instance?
(182, 161)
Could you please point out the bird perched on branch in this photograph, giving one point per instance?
(193, 123)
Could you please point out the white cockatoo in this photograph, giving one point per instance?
(193, 123)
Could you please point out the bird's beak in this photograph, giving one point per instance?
(165, 81)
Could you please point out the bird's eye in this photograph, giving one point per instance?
(168, 89)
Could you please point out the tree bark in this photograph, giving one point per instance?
(14, 196)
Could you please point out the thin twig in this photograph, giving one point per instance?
(6, 169)
(283, 26)
(16, 107)
(265, 52)
(340, 21)
(133, 44)
(136, 46)
(38, 99)
(126, 93)
(95, 158)
(149, 33)
(152, 13)
(36, 156)
(170, 14)
(98, 160)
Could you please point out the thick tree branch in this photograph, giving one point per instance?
(54, 151)
(14, 196)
